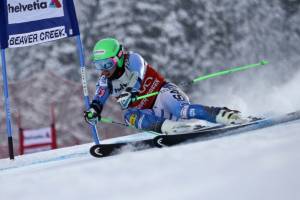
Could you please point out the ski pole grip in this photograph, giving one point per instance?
(90, 115)
(144, 96)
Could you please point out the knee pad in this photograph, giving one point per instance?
(132, 116)
(143, 119)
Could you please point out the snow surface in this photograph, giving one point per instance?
(262, 164)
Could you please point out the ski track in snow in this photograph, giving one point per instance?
(261, 164)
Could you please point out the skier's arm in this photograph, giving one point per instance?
(93, 114)
(137, 66)
(102, 91)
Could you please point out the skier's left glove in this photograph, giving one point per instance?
(126, 97)
(93, 114)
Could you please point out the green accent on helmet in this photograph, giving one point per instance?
(108, 48)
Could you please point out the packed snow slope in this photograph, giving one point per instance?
(262, 164)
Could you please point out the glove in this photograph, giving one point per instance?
(126, 97)
(93, 115)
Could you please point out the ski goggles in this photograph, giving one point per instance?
(106, 64)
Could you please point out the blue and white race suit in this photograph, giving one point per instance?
(148, 114)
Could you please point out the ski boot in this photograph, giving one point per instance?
(170, 127)
(229, 117)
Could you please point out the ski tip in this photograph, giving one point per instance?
(100, 151)
(264, 62)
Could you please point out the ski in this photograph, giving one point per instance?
(104, 150)
(206, 133)
(169, 140)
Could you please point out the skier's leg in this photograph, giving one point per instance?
(200, 112)
(176, 102)
(170, 101)
(143, 119)
(221, 115)
(147, 120)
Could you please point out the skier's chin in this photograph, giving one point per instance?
(107, 74)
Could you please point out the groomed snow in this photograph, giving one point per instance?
(263, 164)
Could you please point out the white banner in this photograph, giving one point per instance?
(37, 136)
(36, 37)
(37, 149)
(20, 11)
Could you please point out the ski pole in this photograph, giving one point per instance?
(229, 71)
(111, 121)
(144, 96)
(212, 75)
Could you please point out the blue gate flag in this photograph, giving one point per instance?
(29, 22)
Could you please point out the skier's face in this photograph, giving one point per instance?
(108, 73)
(106, 67)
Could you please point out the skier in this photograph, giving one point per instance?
(126, 75)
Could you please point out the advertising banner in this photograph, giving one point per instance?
(30, 22)
(35, 140)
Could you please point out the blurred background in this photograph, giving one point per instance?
(182, 39)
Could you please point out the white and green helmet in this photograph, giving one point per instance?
(107, 53)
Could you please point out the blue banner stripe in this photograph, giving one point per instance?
(3, 22)
(72, 15)
(38, 25)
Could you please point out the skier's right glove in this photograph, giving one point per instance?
(125, 98)
(93, 114)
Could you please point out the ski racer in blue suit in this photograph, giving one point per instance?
(126, 75)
